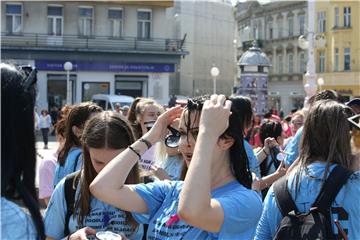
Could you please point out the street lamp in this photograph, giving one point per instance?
(68, 67)
(214, 73)
(320, 82)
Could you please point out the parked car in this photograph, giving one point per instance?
(107, 102)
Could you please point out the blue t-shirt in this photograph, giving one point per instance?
(253, 162)
(242, 209)
(73, 156)
(15, 223)
(292, 148)
(102, 217)
(173, 165)
(345, 208)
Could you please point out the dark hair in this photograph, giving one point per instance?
(326, 137)
(104, 130)
(269, 128)
(323, 95)
(18, 159)
(238, 120)
(76, 117)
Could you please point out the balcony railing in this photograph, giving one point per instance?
(35, 40)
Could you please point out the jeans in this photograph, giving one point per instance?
(45, 134)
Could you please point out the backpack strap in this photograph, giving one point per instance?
(77, 160)
(336, 179)
(71, 182)
(283, 197)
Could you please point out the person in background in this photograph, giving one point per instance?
(118, 108)
(105, 135)
(168, 163)
(48, 164)
(70, 159)
(215, 201)
(292, 148)
(143, 114)
(44, 125)
(297, 121)
(20, 215)
(325, 144)
(125, 110)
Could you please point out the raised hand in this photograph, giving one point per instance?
(159, 131)
(215, 115)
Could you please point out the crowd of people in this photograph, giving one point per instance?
(211, 169)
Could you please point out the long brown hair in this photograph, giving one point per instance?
(76, 117)
(104, 130)
(326, 137)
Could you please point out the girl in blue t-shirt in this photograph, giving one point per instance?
(325, 144)
(105, 135)
(69, 159)
(215, 201)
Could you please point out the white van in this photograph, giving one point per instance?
(107, 102)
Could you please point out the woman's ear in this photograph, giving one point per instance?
(225, 143)
(76, 131)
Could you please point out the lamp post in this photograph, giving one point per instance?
(68, 67)
(320, 83)
(214, 73)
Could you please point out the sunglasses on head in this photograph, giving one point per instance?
(355, 122)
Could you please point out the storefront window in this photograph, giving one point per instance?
(91, 88)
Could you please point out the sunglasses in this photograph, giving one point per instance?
(172, 140)
(30, 73)
(355, 122)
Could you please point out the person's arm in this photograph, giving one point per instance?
(265, 151)
(196, 207)
(268, 180)
(116, 193)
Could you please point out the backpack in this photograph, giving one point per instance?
(71, 182)
(316, 223)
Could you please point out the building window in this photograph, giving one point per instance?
(255, 32)
(291, 26)
(91, 88)
(302, 62)
(347, 17)
(55, 20)
(322, 61)
(336, 17)
(116, 22)
(336, 60)
(321, 21)
(280, 64)
(270, 68)
(85, 21)
(14, 18)
(346, 59)
(291, 63)
(302, 24)
(270, 30)
(144, 24)
(279, 25)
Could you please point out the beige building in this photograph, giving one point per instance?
(338, 63)
(209, 30)
(115, 47)
(277, 26)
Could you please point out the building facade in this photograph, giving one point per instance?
(208, 29)
(276, 26)
(115, 48)
(338, 63)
